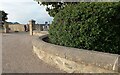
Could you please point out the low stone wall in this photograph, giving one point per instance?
(73, 60)
(16, 27)
(39, 33)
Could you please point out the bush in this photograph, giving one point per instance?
(93, 26)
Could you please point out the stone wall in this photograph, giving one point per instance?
(16, 27)
(39, 33)
(1, 30)
(42, 27)
(73, 60)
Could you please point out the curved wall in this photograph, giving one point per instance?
(73, 60)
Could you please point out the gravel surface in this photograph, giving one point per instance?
(18, 56)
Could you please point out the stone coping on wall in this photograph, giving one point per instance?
(39, 33)
(93, 61)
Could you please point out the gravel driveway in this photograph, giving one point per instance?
(18, 56)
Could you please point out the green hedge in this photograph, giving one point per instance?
(93, 26)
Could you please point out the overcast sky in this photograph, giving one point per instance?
(24, 10)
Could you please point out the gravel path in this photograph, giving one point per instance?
(18, 56)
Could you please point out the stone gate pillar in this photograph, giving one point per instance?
(31, 26)
(6, 27)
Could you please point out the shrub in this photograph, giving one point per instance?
(93, 26)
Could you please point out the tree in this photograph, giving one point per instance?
(54, 7)
(16, 23)
(3, 16)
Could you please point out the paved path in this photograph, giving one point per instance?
(18, 56)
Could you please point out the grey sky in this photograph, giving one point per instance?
(23, 10)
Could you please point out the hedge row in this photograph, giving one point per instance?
(93, 26)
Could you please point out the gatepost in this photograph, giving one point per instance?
(6, 27)
(31, 26)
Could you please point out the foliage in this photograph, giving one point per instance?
(93, 26)
(3, 16)
(54, 7)
(16, 23)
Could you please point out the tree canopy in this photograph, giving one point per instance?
(3, 16)
(54, 7)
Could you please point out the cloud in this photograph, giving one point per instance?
(24, 10)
